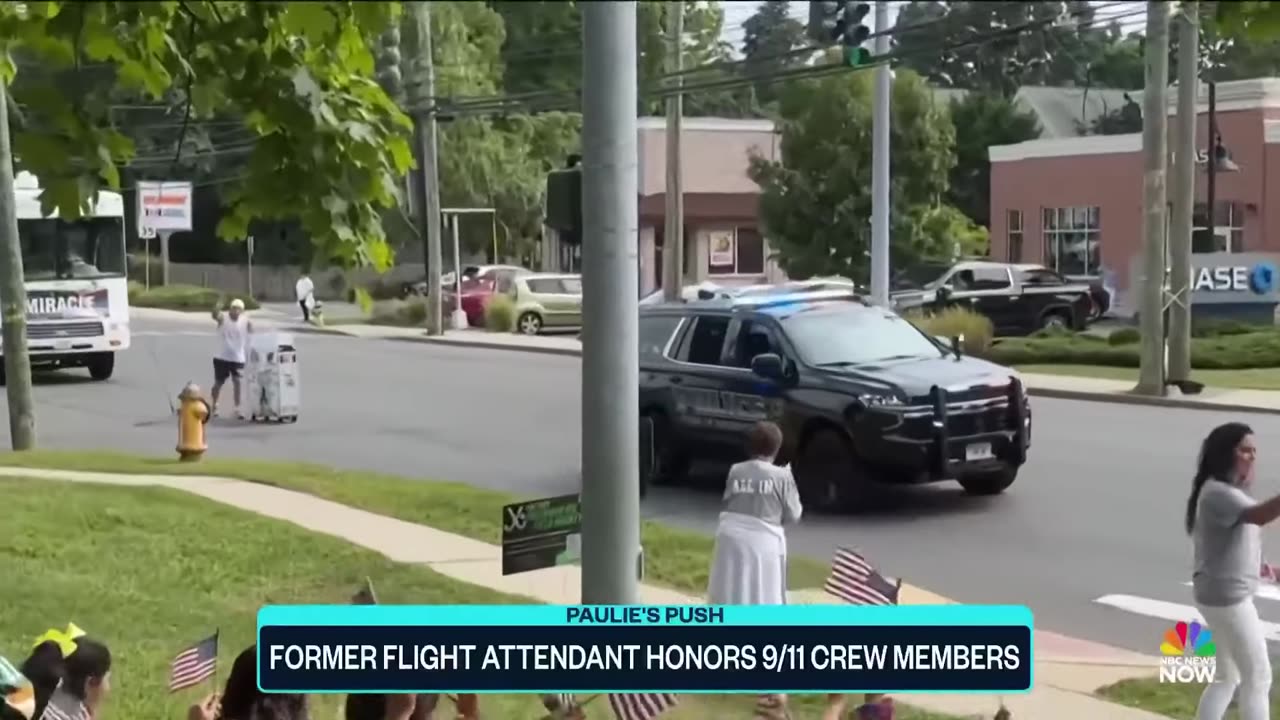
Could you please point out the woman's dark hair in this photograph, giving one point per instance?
(46, 668)
(1217, 461)
(764, 440)
(242, 700)
(366, 707)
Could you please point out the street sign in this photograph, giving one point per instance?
(539, 534)
(164, 206)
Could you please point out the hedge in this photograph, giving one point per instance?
(183, 297)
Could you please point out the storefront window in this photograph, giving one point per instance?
(1228, 235)
(739, 251)
(1013, 232)
(1071, 240)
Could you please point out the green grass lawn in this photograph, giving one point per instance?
(1252, 379)
(1174, 701)
(150, 570)
(678, 559)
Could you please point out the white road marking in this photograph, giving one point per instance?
(1172, 612)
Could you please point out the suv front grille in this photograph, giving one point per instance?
(58, 331)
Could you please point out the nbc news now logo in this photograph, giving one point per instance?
(1188, 654)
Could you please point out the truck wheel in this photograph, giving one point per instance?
(670, 464)
(989, 483)
(1055, 321)
(102, 366)
(828, 474)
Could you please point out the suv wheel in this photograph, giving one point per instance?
(529, 324)
(670, 464)
(1055, 321)
(989, 483)
(828, 474)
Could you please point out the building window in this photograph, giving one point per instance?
(739, 251)
(1071, 240)
(1013, 232)
(1228, 228)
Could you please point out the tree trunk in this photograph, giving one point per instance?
(13, 300)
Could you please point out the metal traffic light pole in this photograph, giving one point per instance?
(880, 163)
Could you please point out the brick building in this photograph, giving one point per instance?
(1075, 204)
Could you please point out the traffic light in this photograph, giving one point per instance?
(842, 23)
(387, 64)
(564, 202)
(823, 17)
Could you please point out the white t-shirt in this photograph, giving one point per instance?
(304, 288)
(233, 336)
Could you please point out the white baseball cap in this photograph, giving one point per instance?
(238, 304)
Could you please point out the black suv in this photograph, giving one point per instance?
(861, 394)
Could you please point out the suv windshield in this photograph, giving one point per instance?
(54, 249)
(827, 336)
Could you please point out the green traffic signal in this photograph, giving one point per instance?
(857, 56)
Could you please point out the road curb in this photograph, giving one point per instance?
(1124, 399)
(485, 345)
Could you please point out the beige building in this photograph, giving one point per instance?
(723, 238)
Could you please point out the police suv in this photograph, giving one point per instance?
(861, 394)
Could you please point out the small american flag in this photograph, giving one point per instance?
(64, 706)
(855, 581)
(640, 706)
(194, 665)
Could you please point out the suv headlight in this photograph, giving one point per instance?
(871, 400)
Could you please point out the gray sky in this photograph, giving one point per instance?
(736, 12)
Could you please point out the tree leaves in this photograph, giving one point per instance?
(987, 120)
(298, 75)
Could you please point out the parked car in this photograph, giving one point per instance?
(862, 395)
(546, 300)
(478, 287)
(1018, 299)
(468, 271)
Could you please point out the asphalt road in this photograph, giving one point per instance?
(1097, 511)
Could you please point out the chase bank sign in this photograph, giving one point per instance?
(1235, 278)
(1259, 278)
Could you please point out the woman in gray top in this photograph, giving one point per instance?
(1224, 523)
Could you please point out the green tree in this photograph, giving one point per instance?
(1123, 120)
(986, 120)
(771, 38)
(816, 201)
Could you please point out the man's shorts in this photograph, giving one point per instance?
(223, 369)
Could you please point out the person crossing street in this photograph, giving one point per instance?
(234, 329)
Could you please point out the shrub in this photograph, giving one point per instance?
(400, 313)
(184, 297)
(1124, 336)
(1228, 352)
(975, 329)
(385, 289)
(140, 268)
(500, 314)
(1211, 328)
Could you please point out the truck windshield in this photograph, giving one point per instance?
(54, 249)
(855, 335)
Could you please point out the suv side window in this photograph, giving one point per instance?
(705, 342)
(655, 333)
(989, 278)
(754, 339)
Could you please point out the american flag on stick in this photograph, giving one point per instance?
(64, 706)
(194, 665)
(856, 582)
(640, 706)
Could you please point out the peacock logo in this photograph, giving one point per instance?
(1188, 640)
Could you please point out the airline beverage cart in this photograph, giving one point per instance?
(272, 380)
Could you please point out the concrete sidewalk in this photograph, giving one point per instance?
(1043, 385)
(1067, 670)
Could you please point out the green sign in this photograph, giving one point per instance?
(539, 534)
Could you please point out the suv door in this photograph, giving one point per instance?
(701, 385)
(988, 290)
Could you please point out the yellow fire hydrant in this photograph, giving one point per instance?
(193, 413)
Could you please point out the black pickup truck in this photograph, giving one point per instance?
(862, 395)
(1019, 299)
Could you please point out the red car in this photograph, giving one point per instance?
(478, 288)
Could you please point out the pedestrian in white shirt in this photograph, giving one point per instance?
(233, 336)
(306, 293)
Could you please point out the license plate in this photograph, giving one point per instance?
(62, 344)
(978, 451)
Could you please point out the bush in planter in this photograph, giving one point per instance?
(500, 314)
(975, 328)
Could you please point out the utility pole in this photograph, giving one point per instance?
(422, 102)
(673, 232)
(880, 162)
(610, 315)
(13, 300)
(1184, 195)
(1155, 148)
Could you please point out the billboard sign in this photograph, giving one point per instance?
(164, 206)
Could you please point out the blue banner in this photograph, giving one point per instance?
(685, 649)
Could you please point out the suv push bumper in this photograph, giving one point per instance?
(947, 439)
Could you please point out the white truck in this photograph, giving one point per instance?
(76, 283)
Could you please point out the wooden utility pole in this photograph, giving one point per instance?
(13, 300)
(421, 90)
(673, 232)
(1184, 194)
(1155, 152)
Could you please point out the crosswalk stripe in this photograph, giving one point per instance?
(1172, 612)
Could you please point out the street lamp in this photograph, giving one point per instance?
(1219, 160)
